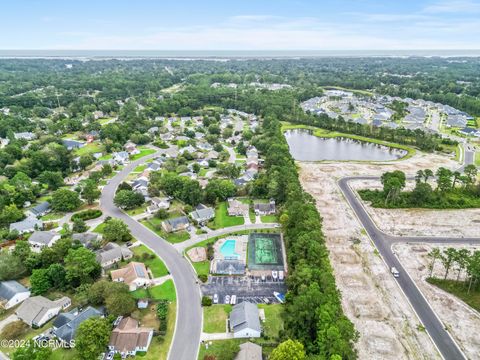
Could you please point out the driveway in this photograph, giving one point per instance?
(7, 320)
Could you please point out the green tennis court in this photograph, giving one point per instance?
(265, 251)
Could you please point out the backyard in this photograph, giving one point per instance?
(164, 291)
(215, 318)
(222, 220)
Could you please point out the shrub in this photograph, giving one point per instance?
(87, 214)
(206, 301)
(203, 278)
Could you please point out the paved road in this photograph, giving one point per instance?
(233, 157)
(189, 312)
(383, 242)
(199, 238)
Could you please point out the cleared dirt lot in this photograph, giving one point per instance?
(421, 222)
(459, 318)
(388, 327)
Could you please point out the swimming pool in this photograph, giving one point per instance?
(228, 250)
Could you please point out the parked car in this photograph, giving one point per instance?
(109, 355)
(233, 300)
(227, 299)
(215, 298)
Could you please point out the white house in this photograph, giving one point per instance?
(135, 275)
(12, 293)
(40, 239)
(37, 310)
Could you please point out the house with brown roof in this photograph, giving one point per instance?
(135, 275)
(128, 338)
(236, 207)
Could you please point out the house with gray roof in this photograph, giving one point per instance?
(202, 214)
(264, 208)
(175, 224)
(112, 254)
(25, 136)
(28, 225)
(36, 311)
(87, 239)
(121, 157)
(72, 144)
(65, 325)
(40, 209)
(245, 320)
(40, 239)
(12, 293)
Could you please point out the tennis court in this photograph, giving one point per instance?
(265, 252)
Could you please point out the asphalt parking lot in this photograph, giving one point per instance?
(246, 288)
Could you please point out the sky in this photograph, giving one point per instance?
(240, 24)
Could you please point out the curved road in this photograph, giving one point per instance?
(383, 242)
(188, 325)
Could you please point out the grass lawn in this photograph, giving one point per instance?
(219, 349)
(138, 210)
(156, 265)
(106, 157)
(203, 172)
(104, 121)
(160, 345)
(91, 148)
(29, 334)
(222, 220)
(202, 267)
(176, 237)
(164, 291)
(215, 317)
(99, 228)
(140, 168)
(331, 134)
(53, 216)
(143, 152)
(269, 219)
(273, 319)
(477, 158)
(64, 354)
(459, 289)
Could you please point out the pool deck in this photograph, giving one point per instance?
(241, 243)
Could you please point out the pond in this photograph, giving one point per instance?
(304, 146)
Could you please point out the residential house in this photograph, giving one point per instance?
(212, 155)
(128, 338)
(40, 209)
(153, 130)
(154, 166)
(175, 224)
(112, 254)
(12, 293)
(470, 132)
(87, 239)
(249, 351)
(202, 214)
(40, 239)
(262, 208)
(30, 224)
(237, 208)
(204, 146)
(29, 136)
(66, 324)
(37, 310)
(188, 148)
(252, 151)
(161, 203)
(72, 144)
(121, 157)
(140, 183)
(202, 162)
(131, 148)
(98, 115)
(245, 320)
(135, 275)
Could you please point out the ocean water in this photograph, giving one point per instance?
(231, 54)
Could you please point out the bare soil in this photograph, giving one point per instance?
(462, 321)
(388, 327)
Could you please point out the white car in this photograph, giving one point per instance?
(394, 272)
(227, 299)
(215, 298)
(233, 300)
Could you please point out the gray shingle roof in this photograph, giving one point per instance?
(40, 208)
(202, 214)
(42, 237)
(26, 225)
(245, 316)
(67, 331)
(175, 223)
(8, 289)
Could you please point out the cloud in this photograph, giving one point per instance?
(453, 6)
